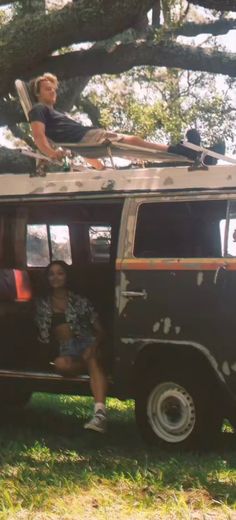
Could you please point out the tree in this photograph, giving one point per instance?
(161, 103)
(111, 41)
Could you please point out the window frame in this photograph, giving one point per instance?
(49, 241)
(92, 260)
(150, 199)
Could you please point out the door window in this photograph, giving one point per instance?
(180, 229)
(100, 242)
(46, 243)
(228, 228)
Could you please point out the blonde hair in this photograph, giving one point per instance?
(35, 83)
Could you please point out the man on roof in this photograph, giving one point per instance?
(49, 124)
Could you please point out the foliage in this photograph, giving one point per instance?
(162, 105)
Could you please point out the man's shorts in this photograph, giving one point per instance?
(99, 136)
(75, 347)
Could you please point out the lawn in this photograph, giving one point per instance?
(52, 469)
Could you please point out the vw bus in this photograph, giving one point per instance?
(155, 251)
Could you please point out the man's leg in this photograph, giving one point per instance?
(192, 136)
(138, 141)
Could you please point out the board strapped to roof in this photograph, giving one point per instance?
(205, 152)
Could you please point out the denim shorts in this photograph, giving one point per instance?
(75, 347)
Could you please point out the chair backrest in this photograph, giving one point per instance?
(24, 96)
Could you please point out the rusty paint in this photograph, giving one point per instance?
(200, 278)
(156, 326)
(167, 325)
(168, 181)
(226, 368)
(147, 180)
(23, 289)
(124, 283)
(182, 264)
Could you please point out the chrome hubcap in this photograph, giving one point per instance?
(171, 412)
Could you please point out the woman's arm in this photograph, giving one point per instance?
(99, 331)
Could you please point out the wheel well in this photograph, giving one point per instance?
(182, 358)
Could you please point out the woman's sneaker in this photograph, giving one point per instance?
(98, 423)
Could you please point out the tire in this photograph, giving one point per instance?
(175, 412)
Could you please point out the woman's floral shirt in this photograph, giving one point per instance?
(79, 314)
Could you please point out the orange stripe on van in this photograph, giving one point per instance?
(23, 289)
(173, 264)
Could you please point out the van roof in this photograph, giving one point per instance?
(116, 182)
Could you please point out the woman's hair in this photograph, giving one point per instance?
(65, 268)
(34, 85)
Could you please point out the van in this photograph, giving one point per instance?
(155, 251)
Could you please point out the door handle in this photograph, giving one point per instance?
(135, 294)
(222, 267)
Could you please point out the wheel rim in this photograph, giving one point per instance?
(171, 412)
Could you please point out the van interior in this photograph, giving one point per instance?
(85, 235)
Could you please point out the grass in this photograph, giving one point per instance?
(51, 469)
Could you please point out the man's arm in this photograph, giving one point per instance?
(41, 141)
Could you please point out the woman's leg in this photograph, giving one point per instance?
(67, 366)
(98, 379)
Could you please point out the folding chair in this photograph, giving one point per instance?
(107, 149)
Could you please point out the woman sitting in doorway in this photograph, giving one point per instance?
(67, 319)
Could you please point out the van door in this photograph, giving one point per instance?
(170, 289)
(226, 285)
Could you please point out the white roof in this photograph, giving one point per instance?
(116, 181)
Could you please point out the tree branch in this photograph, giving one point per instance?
(90, 109)
(228, 5)
(216, 28)
(123, 57)
(119, 58)
(87, 20)
(218, 5)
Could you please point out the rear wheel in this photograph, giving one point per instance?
(176, 412)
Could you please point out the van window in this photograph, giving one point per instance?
(45, 243)
(100, 242)
(231, 231)
(180, 229)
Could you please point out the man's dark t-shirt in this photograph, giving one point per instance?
(58, 127)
